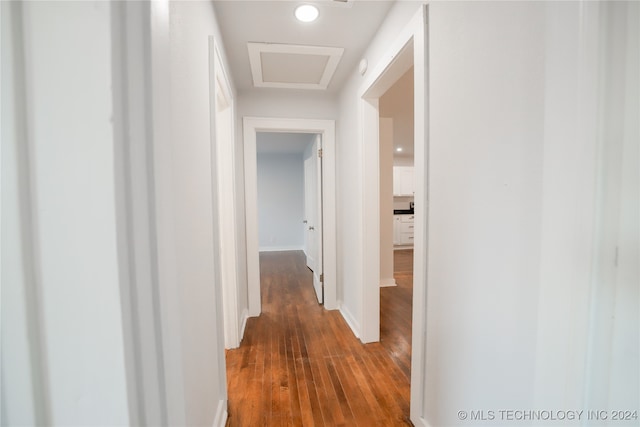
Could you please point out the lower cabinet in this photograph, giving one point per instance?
(403, 230)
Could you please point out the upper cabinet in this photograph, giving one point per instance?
(403, 181)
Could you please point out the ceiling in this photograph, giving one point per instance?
(349, 25)
(397, 103)
(280, 142)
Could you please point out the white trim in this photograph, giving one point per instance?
(420, 249)
(402, 248)
(421, 422)
(252, 125)
(165, 244)
(255, 60)
(370, 320)
(394, 63)
(386, 283)
(251, 221)
(40, 399)
(220, 420)
(150, 306)
(281, 248)
(223, 160)
(243, 323)
(377, 82)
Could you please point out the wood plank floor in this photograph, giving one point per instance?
(300, 365)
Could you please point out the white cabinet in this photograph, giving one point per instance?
(403, 230)
(403, 181)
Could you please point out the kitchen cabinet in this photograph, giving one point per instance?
(403, 181)
(403, 230)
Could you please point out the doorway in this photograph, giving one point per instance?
(326, 130)
(397, 218)
(289, 174)
(396, 163)
(313, 249)
(408, 50)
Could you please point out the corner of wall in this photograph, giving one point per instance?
(221, 414)
(244, 316)
(350, 319)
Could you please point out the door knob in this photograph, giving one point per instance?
(311, 227)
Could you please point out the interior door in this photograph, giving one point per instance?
(313, 215)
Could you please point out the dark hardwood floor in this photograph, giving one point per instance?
(396, 310)
(301, 365)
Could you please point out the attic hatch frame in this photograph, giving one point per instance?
(322, 75)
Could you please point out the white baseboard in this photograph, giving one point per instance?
(280, 248)
(243, 322)
(422, 422)
(351, 321)
(221, 414)
(388, 282)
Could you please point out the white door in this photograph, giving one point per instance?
(313, 215)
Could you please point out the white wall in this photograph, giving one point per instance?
(19, 403)
(67, 218)
(267, 103)
(514, 156)
(70, 277)
(593, 212)
(188, 176)
(485, 165)
(280, 201)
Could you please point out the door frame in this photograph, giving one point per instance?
(409, 48)
(326, 128)
(224, 196)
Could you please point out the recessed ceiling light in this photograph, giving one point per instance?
(399, 149)
(307, 13)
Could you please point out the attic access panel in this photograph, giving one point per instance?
(293, 66)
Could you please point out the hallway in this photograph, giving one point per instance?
(301, 365)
